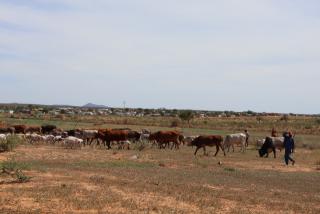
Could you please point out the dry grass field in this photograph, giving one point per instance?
(95, 180)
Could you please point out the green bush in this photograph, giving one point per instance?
(141, 145)
(14, 169)
(9, 144)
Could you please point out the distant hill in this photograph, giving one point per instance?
(92, 105)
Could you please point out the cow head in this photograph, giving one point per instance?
(262, 152)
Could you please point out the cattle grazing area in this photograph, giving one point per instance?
(116, 169)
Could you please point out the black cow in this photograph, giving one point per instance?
(267, 147)
(47, 129)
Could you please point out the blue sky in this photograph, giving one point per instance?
(206, 54)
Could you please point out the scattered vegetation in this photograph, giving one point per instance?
(14, 169)
(284, 117)
(9, 144)
(174, 123)
(186, 115)
(230, 169)
(141, 145)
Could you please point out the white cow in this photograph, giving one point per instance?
(260, 142)
(124, 144)
(58, 138)
(89, 135)
(3, 137)
(144, 137)
(48, 138)
(21, 136)
(33, 138)
(72, 142)
(232, 139)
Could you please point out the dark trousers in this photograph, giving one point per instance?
(287, 157)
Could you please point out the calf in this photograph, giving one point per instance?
(72, 142)
(210, 140)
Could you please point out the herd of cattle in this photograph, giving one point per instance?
(124, 137)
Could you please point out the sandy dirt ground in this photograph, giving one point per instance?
(93, 180)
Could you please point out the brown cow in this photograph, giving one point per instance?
(163, 138)
(209, 140)
(33, 129)
(108, 135)
(20, 129)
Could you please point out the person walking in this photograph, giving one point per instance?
(288, 144)
(247, 137)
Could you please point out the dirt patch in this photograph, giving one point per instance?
(227, 205)
(145, 198)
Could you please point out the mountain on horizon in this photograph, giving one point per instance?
(92, 105)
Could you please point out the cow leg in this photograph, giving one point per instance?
(108, 144)
(224, 153)
(204, 150)
(177, 145)
(274, 152)
(217, 150)
(196, 150)
(173, 145)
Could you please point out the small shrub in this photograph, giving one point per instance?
(308, 127)
(174, 123)
(284, 117)
(141, 145)
(9, 144)
(97, 179)
(21, 177)
(230, 169)
(14, 169)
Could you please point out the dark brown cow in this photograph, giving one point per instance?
(33, 129)
(6, 130)
(109, 135)
(134, 136)
(20, 129)
(209, 140)
(47, 129)
(165, 138)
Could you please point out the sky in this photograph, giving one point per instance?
(235, 55)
